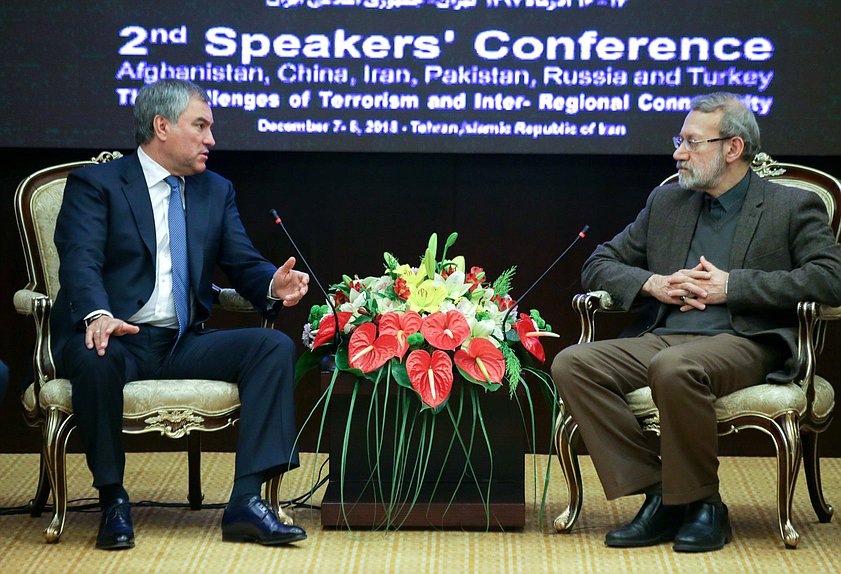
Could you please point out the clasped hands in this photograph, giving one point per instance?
(705, 284)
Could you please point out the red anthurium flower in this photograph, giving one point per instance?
(401, 325)
(445, 330)
(367, 354)
(327, 327)
(530, 336)
(482, 361)
(431, 375)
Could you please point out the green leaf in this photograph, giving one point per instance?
(391, 262)
(401, 376)
(488, 386)
(343, 362)
(306, 363)
(513, 367)
(502, 285)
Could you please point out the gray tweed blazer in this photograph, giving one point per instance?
(783, 252)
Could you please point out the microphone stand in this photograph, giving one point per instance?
(279, 222)
(581, 235)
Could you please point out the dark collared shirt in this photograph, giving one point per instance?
(713, 239)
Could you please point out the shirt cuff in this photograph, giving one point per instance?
(90, 316)
(270, 300)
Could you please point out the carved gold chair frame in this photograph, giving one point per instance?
(173, 408)
(792, 415)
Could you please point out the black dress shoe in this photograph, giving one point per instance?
(116, 531)
(707, 527)
(654, 523)
(251, 519)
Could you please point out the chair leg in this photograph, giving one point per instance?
(272, 490)
(194, 495)
(42, 492)
(812, 466)
(786, 435)
(57, 429)
(566, 431)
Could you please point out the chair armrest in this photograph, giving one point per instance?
(827, 313)
(604, 301)
(38, 306)
(586, 305)
(26, 301)
(230, 300)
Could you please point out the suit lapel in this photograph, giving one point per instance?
(137, 196)
(683, 219)
(748, 220)
(198, 212)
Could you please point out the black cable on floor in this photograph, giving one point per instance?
(93, 506)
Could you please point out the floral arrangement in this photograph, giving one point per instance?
(406, 334)
(425, 323)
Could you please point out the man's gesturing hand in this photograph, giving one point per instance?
(289, 285)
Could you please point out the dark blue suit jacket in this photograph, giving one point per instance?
(105, 236)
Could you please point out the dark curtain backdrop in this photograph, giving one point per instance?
(345, 209)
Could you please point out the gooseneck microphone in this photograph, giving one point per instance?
(581, 235)
(279, 221)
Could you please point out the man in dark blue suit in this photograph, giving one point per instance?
(138, 239)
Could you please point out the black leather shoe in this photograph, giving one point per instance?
(654, 523)
(251, 519)
(707, 527)
(116, 531)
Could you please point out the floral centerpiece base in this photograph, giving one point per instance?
(452, 494)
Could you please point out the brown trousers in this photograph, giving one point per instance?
(686, 373)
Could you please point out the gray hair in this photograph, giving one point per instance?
(737, 119)
(167, 98)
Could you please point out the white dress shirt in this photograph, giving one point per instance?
(159, 310)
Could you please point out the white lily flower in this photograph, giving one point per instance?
(484, 329)
(454, 284)
(378, 284)
(498, 314)
(386, 305)
(356, 300)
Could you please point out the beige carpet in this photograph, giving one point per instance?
(177, 540)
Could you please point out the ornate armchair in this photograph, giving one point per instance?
(174, 408)
(792, 415)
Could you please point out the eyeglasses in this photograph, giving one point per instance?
(692, 145)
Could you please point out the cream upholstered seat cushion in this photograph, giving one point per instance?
(768, 399)
(142, 397)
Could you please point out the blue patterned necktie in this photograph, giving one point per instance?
(178, 254)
